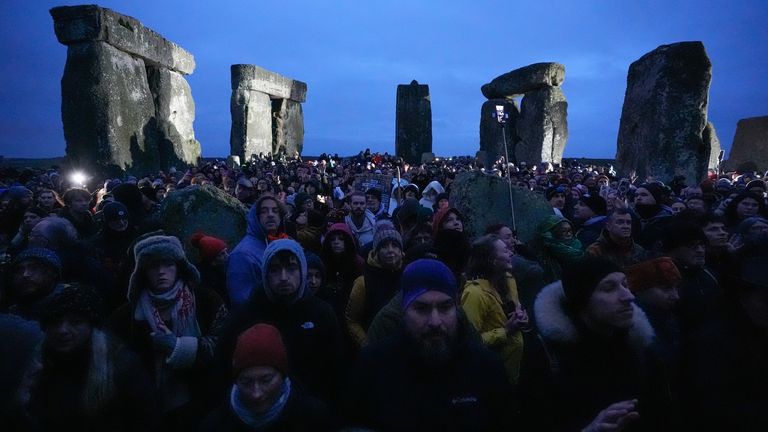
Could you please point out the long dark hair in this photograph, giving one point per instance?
(481, 265)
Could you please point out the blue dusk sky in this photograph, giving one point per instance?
(353, 54)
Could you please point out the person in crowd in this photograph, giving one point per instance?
(20, 241)
(373, 203)
(360, 221)
(49, 200)
(743, 206)
(19, 199)
(172, 323)
(491, 302)
(309, 234)
(82, 378)
(430, 375)
(430, 193)
(77, 211)
(140, 208)
(213, 256)
(378, 283)
(525, 268)
(264, 395)
(590, 213)
(35, 272)
(555, 196)
(245, 192)
(315, 273)
(727, 358)
(308, 325)
(265, 223)
(615, 243)
(111, 243)
(447, 219)
(751, 237)
(557, 246)
(343, 266)
(720, 253)
(591, 336)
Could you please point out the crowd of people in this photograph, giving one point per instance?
(637, 304)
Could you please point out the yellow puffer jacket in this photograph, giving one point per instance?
(484, 309)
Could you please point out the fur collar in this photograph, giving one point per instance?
(554, 323)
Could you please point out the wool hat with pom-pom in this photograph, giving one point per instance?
(210, 247)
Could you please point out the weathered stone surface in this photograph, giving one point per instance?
(252, 77)
(542, 126)
(413, 122)
(427, 157)
(251, 124)
(525, 79)
(711, 140)
(750, 143)
(665, 113)
(203, 208)
(78, 24)
(107, 108)
(484, 200)
(491, 136)
(175, 114)
(287, 127)
(233, 161)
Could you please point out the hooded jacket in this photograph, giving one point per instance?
(245, 261)
(573, 373)
(364, 234)
(307, 324)
(432, 186)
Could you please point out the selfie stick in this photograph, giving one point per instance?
(501, 117)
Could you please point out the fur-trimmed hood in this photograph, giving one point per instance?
(160, 247)
(554, 323)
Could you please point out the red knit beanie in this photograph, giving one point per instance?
(652, 273)
(260, 345)
(209, 247)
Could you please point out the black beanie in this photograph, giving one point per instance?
(659, 191)
(596, 203)
(75, 299)
(581, 278)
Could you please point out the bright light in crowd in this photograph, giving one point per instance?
(78, 178)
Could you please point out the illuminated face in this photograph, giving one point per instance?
(162, 275)
(284, 278)
(452, 222)
(619, 226)
(358, 205)
(610, 305)
(432, 319)
(46, 200)
(563, 231)
(643, 197)
(716, 234)
(269, 215)
(389, 254)
(259, 387)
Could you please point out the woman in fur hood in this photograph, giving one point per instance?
(592, 362)
(171, 322)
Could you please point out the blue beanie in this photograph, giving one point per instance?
(41, 254)
(425, 275)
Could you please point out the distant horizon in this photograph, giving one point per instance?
(353, 55)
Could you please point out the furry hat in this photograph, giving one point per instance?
(652, 273)
(160, 247)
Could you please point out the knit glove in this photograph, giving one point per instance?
(164, 343)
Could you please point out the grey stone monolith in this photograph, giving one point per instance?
(750, 144)
(664, 116)
(287, 127)
(493, 134)
(251, 132)
(413, 122)
(525, 79)
(542, 126)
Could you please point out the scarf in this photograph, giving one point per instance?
(565, 250)
(259, 421)
(271, 238)
(182, 307)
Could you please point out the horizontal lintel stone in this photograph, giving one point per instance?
(252, 77)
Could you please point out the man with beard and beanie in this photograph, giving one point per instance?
(360, 220)
(590, 214)
(592, 363)
(266, 222)
(429, 376)
(378, 284)
(308, 325)
(726, 364)
(652, 212)
(172, 323)
(82, 378)
(35, 272)
(264, 395)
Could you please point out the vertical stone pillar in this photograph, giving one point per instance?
(491, 137)
(287, 127)
(543, 126)
(413, 123)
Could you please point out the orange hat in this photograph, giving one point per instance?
(652, 273)
(260, 345)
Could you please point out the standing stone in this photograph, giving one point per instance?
(175, 114)
(106, 107)
(710, 139)
(520, 81)
(287, 127)
(491, 137)
(267, 116)
(125, 102)
(665, 114)
(251, 124)
(750, 143)
(484, 200)
(413, 122)
(542, 126)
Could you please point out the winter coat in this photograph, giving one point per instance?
(432, 186)
(701, 298)
(54, 389)
(623, 255)
(302, 413)
(485, 309)
(370, 292)
(86, 227)
(591, 230)
(570, 374)
(364, 234)
(393, 389)
(245, 261)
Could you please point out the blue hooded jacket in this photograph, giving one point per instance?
(245, 261)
